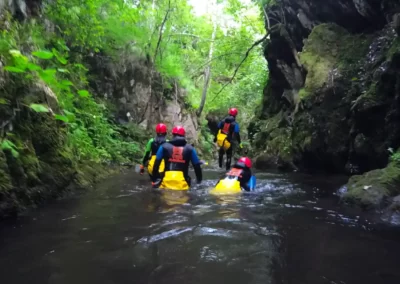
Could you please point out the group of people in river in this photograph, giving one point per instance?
(167, 161)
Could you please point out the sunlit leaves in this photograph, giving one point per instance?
(7, 145)
(43, 54)
(3, 101)
(83, 93)
(59, 57)
(39, 108)
(14, 69)
(61, 117)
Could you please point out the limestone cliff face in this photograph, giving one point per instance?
(140, 94)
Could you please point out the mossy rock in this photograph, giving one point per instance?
(330, 46)
(394, 49)
(265, 161)
(5, 179)
(90, 173)
(371, 188)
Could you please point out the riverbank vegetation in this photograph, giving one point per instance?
(56, 124)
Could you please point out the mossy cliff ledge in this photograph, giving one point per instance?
(332, 102)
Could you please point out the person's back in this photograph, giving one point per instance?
(151, 149)
(177, 154)
(240, 172)
(229, 127)
(228, 133)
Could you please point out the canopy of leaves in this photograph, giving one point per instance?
(183, 48)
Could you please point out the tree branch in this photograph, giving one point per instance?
(267, 18)
(161, 31)
(214, 58)
(240, 64)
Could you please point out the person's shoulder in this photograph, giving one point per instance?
(190, 146)
(166, 144)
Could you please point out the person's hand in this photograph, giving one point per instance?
(156, 183)
(141, 169)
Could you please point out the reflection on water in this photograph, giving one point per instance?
(290, 231)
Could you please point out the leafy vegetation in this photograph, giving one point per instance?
(55, 127)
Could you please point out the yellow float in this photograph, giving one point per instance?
(226, 186)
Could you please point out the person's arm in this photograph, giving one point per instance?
(159, 157)
(197, 166)
(237, 134)
(252, 183)
(147, 152)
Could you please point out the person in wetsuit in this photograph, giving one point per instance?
(152, 148)
(177, 154)
(241, 171)
(228, 131)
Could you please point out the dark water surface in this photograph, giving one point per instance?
(291, 231)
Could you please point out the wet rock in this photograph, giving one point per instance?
(391, 214)
(374, 187)
(396, 23)
(265, 162)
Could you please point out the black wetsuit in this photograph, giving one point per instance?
(152, 148)
(230, 127)
(180, 162)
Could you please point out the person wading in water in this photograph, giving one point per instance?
(228, 131)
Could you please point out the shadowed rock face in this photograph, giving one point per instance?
(300, 17)
(21, 9)
(333, 93)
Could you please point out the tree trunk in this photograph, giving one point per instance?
(207, 71)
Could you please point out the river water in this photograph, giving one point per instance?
(291, 231)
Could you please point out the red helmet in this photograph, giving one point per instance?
(233, 111)
(246, 161)
(161, 128)
(178, 130)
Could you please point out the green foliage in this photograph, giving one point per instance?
(395, 156)
(91, 135)
(7, 145)
(168, 33)
(394, 48)
(39, 108)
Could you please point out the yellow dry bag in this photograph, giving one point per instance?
(227, 186)
(222, 140)
(174, 180)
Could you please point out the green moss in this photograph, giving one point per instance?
(281, 144)
(372, 187)
(5, 180)
(394, 48)
(303, 93)
(330, 46)
(88, 174)
(368, 99)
